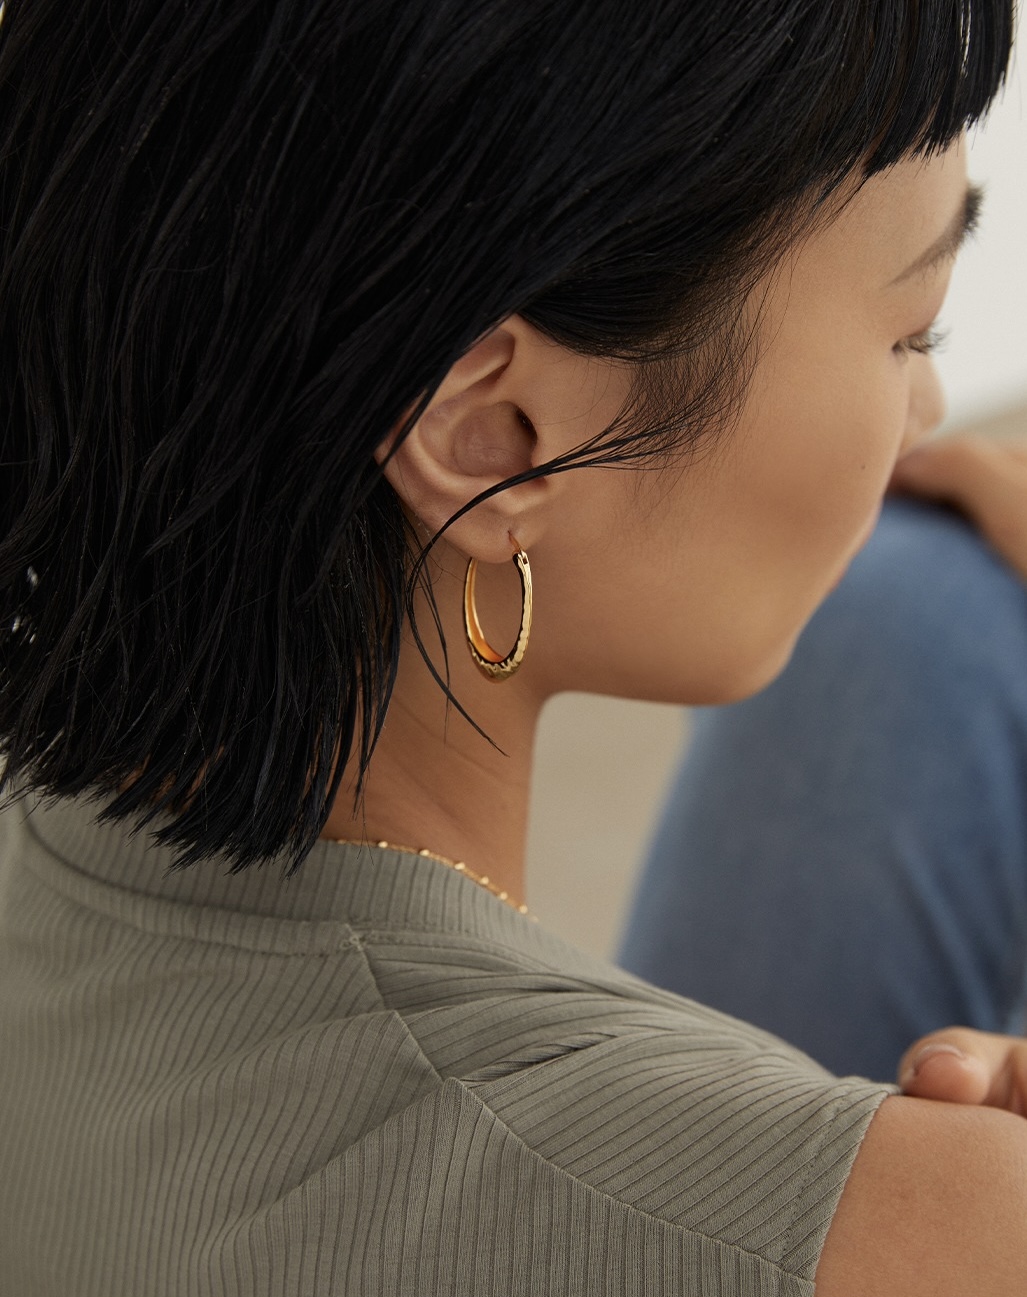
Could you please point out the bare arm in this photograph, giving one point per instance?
(936, 1206)
(983, 472)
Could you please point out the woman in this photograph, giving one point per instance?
(313, 318)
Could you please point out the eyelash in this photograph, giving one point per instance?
(922, 344)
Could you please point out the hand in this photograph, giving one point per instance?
(960, 1065)
(984, 477)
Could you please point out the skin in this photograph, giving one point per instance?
(972, 1067)
(724, 555)
(692, 584)
(984, 478)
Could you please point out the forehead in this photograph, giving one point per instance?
(835, 286)
(895, 215)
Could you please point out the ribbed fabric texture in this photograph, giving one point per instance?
(374, 1080)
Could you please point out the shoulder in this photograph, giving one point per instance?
(935, 1206)
(708, 1132)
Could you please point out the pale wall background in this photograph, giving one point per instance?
(603, 764)
(984, 364)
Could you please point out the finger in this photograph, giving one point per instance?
(961, 1065)
(941, 1071)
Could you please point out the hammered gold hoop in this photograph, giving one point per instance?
(488, 661)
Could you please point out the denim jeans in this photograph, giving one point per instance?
(842, 859)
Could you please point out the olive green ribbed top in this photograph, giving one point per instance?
(374, 1080)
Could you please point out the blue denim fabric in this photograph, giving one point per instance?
(843, 858)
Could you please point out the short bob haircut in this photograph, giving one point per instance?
(240, 240)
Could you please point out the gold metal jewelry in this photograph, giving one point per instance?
(488, 661)
(481, 879)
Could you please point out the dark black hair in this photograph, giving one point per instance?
(241, 239)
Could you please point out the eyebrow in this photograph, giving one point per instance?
(948, 245)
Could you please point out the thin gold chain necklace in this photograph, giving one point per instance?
(482, 880)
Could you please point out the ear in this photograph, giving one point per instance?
(478, 431)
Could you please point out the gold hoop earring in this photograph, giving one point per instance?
(488, 661)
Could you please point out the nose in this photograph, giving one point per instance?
(927, 403)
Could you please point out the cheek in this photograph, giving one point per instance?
(805, 485)
(926, 400)
(827, 453)
(695, 589)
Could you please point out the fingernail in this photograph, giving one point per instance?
(912, 1068)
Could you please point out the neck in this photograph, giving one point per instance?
(434, 782)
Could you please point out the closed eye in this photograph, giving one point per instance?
(923, 344)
